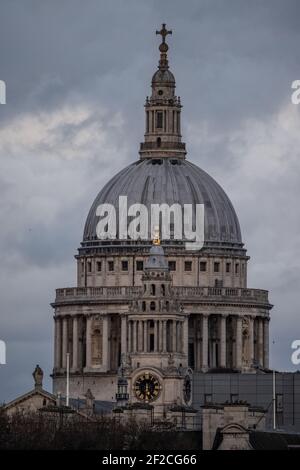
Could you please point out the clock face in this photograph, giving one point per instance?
(147, 387)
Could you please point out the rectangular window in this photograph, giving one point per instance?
(110, 265)
(217, 267)
(124, 265)
(188, 265)
(208, 398)
(140, 265)
(172, 265)
(228, 266)
(99, 266)
(89, 266)
(202, 266)
(159, 120)
(237, 268)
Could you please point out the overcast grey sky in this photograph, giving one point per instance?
(77, 74)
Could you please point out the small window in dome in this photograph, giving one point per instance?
(174, 162)
(202, 266)
(124, 265)
(156, 161)
(188, 265)
(216, 267)
(110, 265)
(99, 266)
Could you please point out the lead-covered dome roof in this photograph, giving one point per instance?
(167, 180)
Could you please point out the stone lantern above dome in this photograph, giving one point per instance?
(163, 111)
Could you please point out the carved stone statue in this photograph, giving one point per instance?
(38, 375)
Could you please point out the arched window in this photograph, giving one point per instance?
(152, 289)
(163, 290)
(152, 305)
(144, 306)
(167, 306)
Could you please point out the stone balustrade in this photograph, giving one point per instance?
(196, 293)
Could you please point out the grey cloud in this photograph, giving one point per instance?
(234, 63)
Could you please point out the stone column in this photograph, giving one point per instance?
(89, 342)
(251, 342)
(164, 335)
(123, 335)
(134, 344)
(129, 325)
(198, 349)
(75, 344)
(57, 350)
(186, 336)
(204, 341)
(156, 345)
(174, 342)
(105, 344)
(260, 342)
(64, 342)
(266, 342)
(238, 343)
(160, 346)
(145, 348)
(223, 341)
(140, 335)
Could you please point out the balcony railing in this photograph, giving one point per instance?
(192, 294)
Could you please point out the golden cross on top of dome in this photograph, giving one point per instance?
(164, 32)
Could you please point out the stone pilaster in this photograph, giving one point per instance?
(164, 335)
(238, 343)
(129, 324)
(75, 344)
(204, 342)
(123, 335)
(57, 349)
(64, 342)
(145, 324)
(223, 341)
(186, 336)
(251, 341)
(266, 342)
(105, 344)
(260, 342)
(89, 342)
